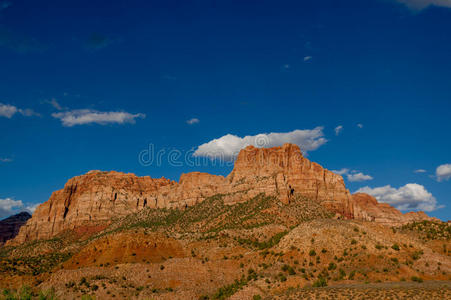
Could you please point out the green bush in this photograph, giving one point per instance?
(320, 282)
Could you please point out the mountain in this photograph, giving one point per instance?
(94, 199)
(277, 227)
(10, 226)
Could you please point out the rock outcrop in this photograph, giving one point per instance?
(367, 208)
(94, 197)
(280, 171)
(10, 226)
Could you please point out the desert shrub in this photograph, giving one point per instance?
(332, 266)
(395, 247)
(312, 253)
(320, 282)
(342, 273)
(416, 279)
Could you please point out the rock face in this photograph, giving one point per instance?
(280, 171)
(9, 227)
(94, 197)
(367, 208)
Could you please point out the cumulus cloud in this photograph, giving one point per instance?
(412, 196)
(192, 121)
(353, 175)
(359, 177)
(8, 111)
(421, 4)
(32, 207)
(341, 172)
(228, 146)
(443, 172)
(8, 206)
(360, 125)
(420, 171)
(88, 116)
(338, 129)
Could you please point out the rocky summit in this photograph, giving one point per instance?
(277, 227)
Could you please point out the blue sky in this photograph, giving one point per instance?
(90, 84)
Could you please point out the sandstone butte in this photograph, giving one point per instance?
(98, 197)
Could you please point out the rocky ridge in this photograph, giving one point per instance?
(283, 172)
(10, 226)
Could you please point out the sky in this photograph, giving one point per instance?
(162, 88)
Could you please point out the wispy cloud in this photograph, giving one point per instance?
(97, 41)
(5, 4)
(307, 58)
(420, 171)
(360, 125)
(8, 111)
(412, 196)
(88, 116)
(56, 105)
(422, 4)
(443, 172)
(192, 121)
(19, 43)
(353, 175)
(5, 159)
(338, 129)
(228, 146)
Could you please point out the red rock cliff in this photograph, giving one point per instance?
(279, 171)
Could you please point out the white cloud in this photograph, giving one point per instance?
(412, 196)
(192, 121)
(360, 125)
(443, 172)
(338, 129)
(341, 172)
(353, 175)
(5, 159)
(8, 205)
(421, 4)
(8, 111)
(87, 116)
(359, 177)
(228, 146)
(420, 171)
(31, 208)
(307, 58)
